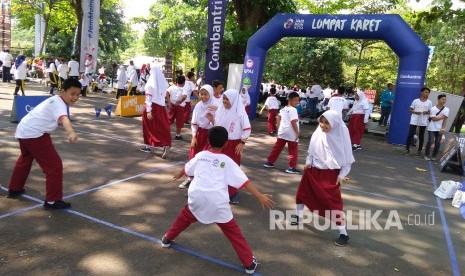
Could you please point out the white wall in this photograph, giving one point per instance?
(235, 76)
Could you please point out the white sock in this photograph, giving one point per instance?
(299, 210)
(342, 230)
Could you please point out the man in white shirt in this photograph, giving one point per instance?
(338, 102)
(436, 126)
(7, 60)
(73, 67)
(420, 109)
(314, 95)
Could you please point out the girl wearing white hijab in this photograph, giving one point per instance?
(155, 125)
(328, 163)
(245, 99)
(232, 116)
(359, 114)
(200, 126)
(121, 81)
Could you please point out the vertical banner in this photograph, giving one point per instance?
(216, 19)
(39, 32)
(89, 32)
(430, 55)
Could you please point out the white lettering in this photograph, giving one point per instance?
(329, 24)
(371, 25)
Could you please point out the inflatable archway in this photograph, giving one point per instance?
(412, 52)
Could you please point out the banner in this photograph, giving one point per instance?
(216, 18)
(89, 32)
(39, 32)
(130, 106)
(22, 105)
(370, 95)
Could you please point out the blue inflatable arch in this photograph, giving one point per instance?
(412, 52)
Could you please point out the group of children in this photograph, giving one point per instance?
(220, 129)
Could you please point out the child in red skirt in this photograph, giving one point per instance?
(155, 124)
(208, 200)
(232, 116)
(328, 163)
(272, 104)
(35, 143)
(200, 126)
(359, 114)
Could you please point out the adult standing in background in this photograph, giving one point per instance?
(7, 60)
(73, 67)
(314, 95)
(387, 98)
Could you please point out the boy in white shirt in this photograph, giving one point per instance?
(288, 132)
(436, 126)
(208, 200)
(420, 109)
(33, 134)
(338, 102)
(73, 67)
(190, 88)
(272, 104)
(62, 72)
(177, 95)
(217, 100)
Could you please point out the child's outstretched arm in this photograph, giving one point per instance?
(179, 174)
(72, 137)
(264, 199)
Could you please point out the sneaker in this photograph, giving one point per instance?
(343, 240)
(427, 158)
(407, 152)
(166, 150)
(234, 199)
(359, 147)
(15, 194)
(145, 149)
(354, 148)
(185, 184)
(251, 269)
(59, 204)
(292, 170)
(294, 220)
(178, 137)
(165, 242)
(268, 165)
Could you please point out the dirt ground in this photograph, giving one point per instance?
(124, 200)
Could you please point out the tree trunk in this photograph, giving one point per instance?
(249, 16)
(77, 5)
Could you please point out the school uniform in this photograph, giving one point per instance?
(217, 101)
(121, 82)
(200, 124)
(208, 200)
(329, 158)
(62, 74)
(237, 123)
(246, 101)
(273, 106)
(176, 111)
(338, 103)
(73, 69)
(286, 135)
(52, 76)
(157, 131)
(359, 114)
(20, 76)
(134, 81)
(189, 86)
(85, 83)
(35, 143)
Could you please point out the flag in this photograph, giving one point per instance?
(97, 112)
(108, 110)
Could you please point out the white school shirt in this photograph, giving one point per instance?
(20, 72)
(7, 59)
(199, 118)
(218, 102)
(134, 80)
(189, 87)
(419, 106)
(338, 103)
(239, 128)
(51, 68)
(89, 65)
(73, 68)
(84, 81)
(288, 114)
(42, 119)
(437, 125)
(176, 94)
(272, 102)
(63, 71)
(208, 197)
(315, 91)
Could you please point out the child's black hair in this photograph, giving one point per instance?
(217, 136)
(67, 84)
(441, 96)
(217, 83)
(190, 74)
(293, 95)
(272, 90)
(181, 80)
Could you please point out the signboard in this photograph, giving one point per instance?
(130, 106)
(370, 95)
(452, 153)
(22, 105)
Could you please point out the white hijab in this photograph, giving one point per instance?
(361, 103)
(199, 115)
(224, 117)
(333, 149)
(245, 97)
(156, 84)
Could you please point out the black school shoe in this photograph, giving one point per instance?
(59, 204)
(15, 194)
(343, 240)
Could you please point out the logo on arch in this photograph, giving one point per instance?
(247, 81)
(288, 24)
(249, 63)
